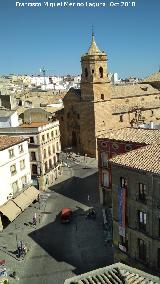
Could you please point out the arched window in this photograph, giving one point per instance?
(101, 72)
(102, 96)
(86, 72)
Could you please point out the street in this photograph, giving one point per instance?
(60, 251)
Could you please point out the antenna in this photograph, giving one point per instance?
(43, 71)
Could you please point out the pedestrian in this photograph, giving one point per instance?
(39, 218)
(19, 249)
(34, 220)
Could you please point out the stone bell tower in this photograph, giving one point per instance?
(95, 98)
(94, 80)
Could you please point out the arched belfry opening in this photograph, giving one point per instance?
(101, 72)
(86, 72)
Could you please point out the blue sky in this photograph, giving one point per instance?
(32, 37)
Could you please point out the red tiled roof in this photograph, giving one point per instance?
(146, 158)
(7, 141)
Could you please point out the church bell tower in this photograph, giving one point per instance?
(94, 80)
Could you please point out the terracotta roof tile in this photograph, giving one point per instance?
(9, 141)
(33, 124)
(116, 273)
(146, 159)
(132, 90)
(137, 135)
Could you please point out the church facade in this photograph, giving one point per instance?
(98, 106)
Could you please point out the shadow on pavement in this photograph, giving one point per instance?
(81, 242)
(83, 190)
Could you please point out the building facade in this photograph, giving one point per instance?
(116, 142)
(99, 106)
(44, 150)
(15, 178)
(136, 208)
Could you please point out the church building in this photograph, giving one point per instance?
(98, 106)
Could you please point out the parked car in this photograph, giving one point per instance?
(66, 214)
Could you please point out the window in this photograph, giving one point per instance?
(24, 181)
(33, 156)
(52, 134)
(15, 187)
(158, 257)
(13, 170)
(101, 72)
(22, 164)
(53, 149)
(104, 159)
(121, 118)
(34, 169)
(31, 139)
(128, 147)
(57, 146)
(152, 112)
(56, 132)
(102, 96)
(11, 153)
(49, 150)
(142, 192)
(50, 163)
(142, 220)
(44, 153)
(46, 166)
(142, 250)
(105, 179)
(54, 161)
(20, 147)
(123, 182)
(92, 71)
(43, 138)
(86, 72)
(47, 136)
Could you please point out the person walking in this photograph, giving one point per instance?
(35, 220)
(19, 249)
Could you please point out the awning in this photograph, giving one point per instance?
(24, 199)
(32, 193)
(10, 210)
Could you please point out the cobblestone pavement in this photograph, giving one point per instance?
(57, 252)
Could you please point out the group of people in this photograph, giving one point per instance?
(21, 249)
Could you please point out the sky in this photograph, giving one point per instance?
(56, 37)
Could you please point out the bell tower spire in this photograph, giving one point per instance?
(94, 71)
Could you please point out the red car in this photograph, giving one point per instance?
(65, 215)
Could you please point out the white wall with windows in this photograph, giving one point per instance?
(14, 170)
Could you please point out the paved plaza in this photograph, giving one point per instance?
(58, 251)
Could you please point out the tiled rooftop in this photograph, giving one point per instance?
(114, 274)
(129, 107)
(153, 78)
(33, 124)
(146, 159)
(137, 135)
(133, 90)
(8, 141)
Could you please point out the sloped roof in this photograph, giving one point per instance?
(114, 274)
(122, 91)
(146, 159)
(137, 135)
(131, 106)
(9, 141)
(153, 78)
(93, 49)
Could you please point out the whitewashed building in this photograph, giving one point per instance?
(15, 178)
(8, 118)
(44, 149)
